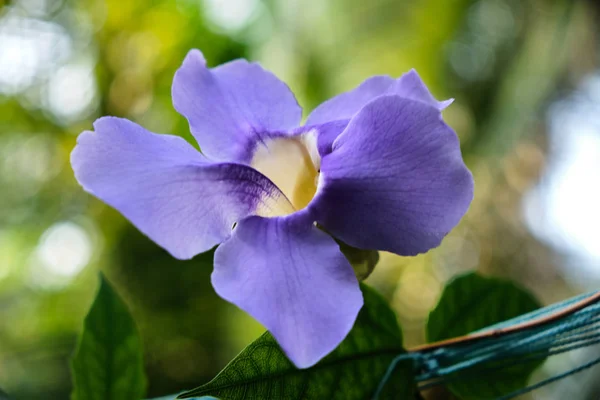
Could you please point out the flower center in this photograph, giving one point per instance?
(292, 164)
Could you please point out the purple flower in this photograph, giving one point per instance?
(376, 167)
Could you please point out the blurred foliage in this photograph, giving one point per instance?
(65, 62)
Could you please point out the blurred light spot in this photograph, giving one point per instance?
(492, 18)
(472, 61)
(490, 23)
(65, 248)
(461, 119)
(574, 193)
(563, 209)
(62, 252)
(29, 159)
(144, 50)
(26, 164)
(594, 90)
(71, 92)
(131, 92)
(29, 48)
(39, 8)
(388, 270)
(7, 252)
(231, 15)
(158, 118)
(457, 254)
(416, 294)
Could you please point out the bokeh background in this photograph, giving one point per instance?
(526, 79)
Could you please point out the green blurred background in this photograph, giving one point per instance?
(526, 79)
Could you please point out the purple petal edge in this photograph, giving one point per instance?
(231, 106)
(394, 180)
(293, 279)
(165, 187)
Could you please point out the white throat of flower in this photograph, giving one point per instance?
(293, 165)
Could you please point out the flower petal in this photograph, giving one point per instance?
(411, 86)
(327, 133)
(231, 106)
(345, 105)
(292, 278)
(167, 188)
(395, 179)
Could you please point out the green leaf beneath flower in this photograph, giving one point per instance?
(469, 303)
(352, 371)
(108, 362)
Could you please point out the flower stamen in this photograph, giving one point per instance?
(292, 164)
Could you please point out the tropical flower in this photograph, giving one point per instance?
(376, 168)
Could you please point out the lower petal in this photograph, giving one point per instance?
(292, 278)
(167, 189)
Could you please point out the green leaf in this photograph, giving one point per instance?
(108, 362)
(352, 371)
(471, 302)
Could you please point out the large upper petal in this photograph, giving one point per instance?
(291, 277)
(346, 105)
(167, 188)
(394, 180)
(230, 107)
